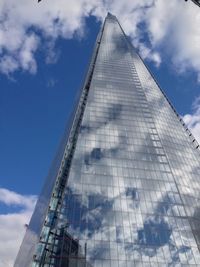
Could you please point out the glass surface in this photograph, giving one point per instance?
(132, 193)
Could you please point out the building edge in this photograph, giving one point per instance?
(26, 253)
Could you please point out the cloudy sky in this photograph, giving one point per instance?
(44, 53)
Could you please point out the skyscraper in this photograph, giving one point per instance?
(124, 189)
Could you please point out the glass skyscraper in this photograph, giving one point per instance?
(124, 190)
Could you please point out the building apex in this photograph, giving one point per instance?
(109, 15)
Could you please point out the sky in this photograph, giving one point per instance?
(44, 54)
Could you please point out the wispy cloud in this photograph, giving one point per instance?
(12, 225)
(11, 198)
(22, 25)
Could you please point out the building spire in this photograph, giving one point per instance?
(109, 15)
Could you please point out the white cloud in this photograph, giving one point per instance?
(193, 120)
(26, 54)
(8, 64)
(173, 26)
(12, 225)
(18, 22)
(11, 198)
(147, 53)
(169, 25)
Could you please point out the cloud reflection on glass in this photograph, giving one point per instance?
(133, 187)
(132, 210)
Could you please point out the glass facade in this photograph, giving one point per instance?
(126, 192)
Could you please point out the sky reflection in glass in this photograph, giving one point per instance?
(132, 196)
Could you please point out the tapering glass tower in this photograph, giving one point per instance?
(124, 190)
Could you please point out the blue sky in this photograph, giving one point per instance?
(35, 110)
(44, 54)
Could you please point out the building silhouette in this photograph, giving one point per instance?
(124, 188)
